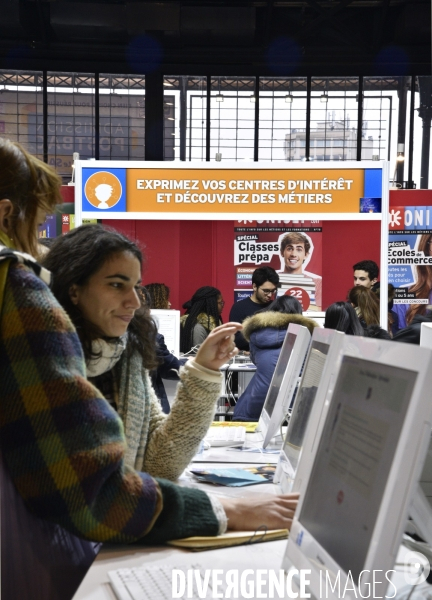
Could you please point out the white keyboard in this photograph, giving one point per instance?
(226, 436)
(156, 583)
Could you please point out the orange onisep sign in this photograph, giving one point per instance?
(103, 190)
(210, 191)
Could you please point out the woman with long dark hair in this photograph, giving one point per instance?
(342, 317)
(265, 331)
(203, 314)
(98, 287)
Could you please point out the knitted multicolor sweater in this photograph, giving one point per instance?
(64, 445)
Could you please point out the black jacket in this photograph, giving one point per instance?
(411, 334)
(167, 370)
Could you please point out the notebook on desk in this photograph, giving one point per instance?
(231, 538)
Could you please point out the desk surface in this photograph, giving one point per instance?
(253, 442)
(96, 587)
(266, 555)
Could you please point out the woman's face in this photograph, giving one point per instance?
(220, 304)
(109, 299)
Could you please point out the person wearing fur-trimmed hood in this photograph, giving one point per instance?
(265, 331)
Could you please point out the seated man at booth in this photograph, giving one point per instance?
(265, 282)
(366, 273)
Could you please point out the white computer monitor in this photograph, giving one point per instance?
(350, 519)
(319, 366)
(284, 380)
(421, 506)
(426, 335)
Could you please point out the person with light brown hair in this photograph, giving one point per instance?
(366, 304)
(62, 443)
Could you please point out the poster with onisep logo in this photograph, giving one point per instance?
(292, 248)
(410, 261)
(104, 190)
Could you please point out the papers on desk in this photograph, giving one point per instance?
(232, 538)
(236, 477)
(250, 426)
(256, 450)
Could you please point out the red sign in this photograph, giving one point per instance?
(301, 295)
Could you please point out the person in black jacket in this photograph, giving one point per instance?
(169, 369)
(411, 334)
(265, 282)
(169, 364)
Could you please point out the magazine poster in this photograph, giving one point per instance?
(292, 248)
(410, 261)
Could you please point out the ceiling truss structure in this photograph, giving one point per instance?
(199, 83)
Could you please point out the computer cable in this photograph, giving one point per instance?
(192, 351)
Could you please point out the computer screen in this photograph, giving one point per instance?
(279, 372)
(284, 380)
(421, 507)
(426, 335)
(351, 517)
(314, 376)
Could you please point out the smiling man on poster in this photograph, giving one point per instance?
(296, 250)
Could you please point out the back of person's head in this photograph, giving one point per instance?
(285, 304)
(375, 331)
(159, 295)
(367, 302)
(203, 302)
(263, 274)
(369, 266)
(342, 317)
(145, 298)
(73, 259)
(26, 185)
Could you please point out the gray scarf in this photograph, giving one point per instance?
(108, 354)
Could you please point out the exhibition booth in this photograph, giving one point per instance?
(214, 226)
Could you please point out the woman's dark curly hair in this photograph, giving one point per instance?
(73, 259)
(204, 301)
(159, 294)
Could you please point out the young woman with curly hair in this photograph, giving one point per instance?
(203, 314)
